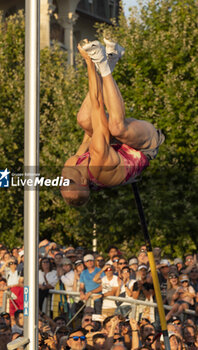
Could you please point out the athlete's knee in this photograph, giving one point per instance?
(116, 129)
(80, 118)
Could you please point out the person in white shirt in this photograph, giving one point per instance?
(47, 279)
(125, 285)
(13, 277)
(109, 287)
(66, 275)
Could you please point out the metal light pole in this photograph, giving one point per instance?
(31, 161)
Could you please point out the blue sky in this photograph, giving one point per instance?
(127, 4)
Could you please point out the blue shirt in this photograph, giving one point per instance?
(87, 279)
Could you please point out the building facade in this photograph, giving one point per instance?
(67, 21)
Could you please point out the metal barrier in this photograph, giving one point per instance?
(7, 296)
(129, 300)
(22, 341)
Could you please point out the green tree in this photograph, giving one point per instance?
(158, 80)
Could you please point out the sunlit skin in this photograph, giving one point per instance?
(105, 164)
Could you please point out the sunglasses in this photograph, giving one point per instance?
(171, 277)
(123, 263)
(88, 319)
(76, 338)
(12, 263)
(109, 269)
(116, 260)
(100, 260)
(184, 281)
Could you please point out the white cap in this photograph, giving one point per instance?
(170, 334)
(133, 261)
(88, 257)
(142, 266)
(164, 262)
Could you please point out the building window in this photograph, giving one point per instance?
(111, 8)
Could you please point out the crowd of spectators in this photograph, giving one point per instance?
(90, 320)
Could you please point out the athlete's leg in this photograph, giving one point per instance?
(135, 133)
(114, 53)
(84, 116)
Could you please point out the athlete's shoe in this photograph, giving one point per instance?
(113, 48)
(114, 52)
(95, 50)
(97, 53)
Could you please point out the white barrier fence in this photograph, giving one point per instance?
(134, 302)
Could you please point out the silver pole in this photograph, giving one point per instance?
(31, 161)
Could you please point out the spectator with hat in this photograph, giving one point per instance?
(7, 318)
(183, 297)
(109, 287)
(71, 254)
(66, 275)
(175, 341)
(133, 265)
(164, 269)
(79, 268)
(142, 290)
(179, 264)
(142, 256)
(87, 285)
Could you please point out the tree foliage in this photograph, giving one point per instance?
(158, 80)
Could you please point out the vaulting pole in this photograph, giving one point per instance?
(152, 266)
(31, 161)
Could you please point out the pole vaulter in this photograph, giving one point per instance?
(114, 150)
(31, 168)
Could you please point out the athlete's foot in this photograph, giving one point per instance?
(96, 51)
(83, 53)
(114, 52)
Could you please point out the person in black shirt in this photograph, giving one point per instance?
(142, 289)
